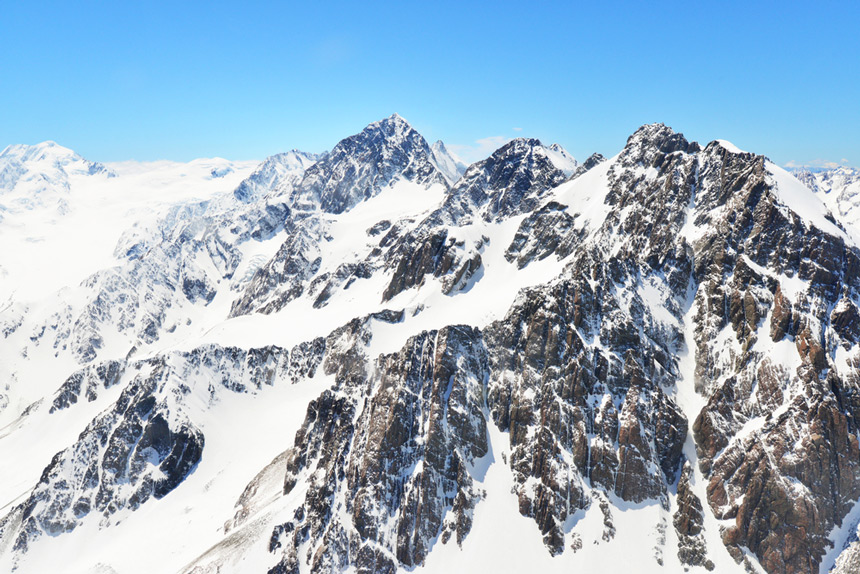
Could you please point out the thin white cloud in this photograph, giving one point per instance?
(331, 51)
(817, 163)
(518, 129)
(479, 150)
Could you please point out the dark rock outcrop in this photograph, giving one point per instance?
(689, 524)
(360, 166)
(381, 449)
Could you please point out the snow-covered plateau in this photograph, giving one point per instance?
(381, 360)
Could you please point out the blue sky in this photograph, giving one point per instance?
(179, 80)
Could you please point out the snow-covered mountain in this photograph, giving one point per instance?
(449, 164)
(839, 189)
(374, 361)
(277, 175)
(562, 159)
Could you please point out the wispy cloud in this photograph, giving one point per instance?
(817, 163)
(331, 51)
(518, 129)
(480, 149)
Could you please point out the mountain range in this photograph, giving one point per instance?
(378, 359)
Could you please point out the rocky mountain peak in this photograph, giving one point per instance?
(392, 125)
(562, 159)
(510, 181)
(448, 163)
(593, 160)
(360, 166)
(656, 138)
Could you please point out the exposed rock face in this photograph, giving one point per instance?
(689, 523)
(511, 181)
(849, 560)
(358, 168)
(572, 372)
(741, 241)
(147, 443)
(361, 165)
(593, 160)
(547, 231)
(286, 275)
(581, 367)
(137, 450)
(781, 452)
(89, 381)
(391, 454)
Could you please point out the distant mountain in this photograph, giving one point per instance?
(38, 176)
(450, 165)
(839, 188)
(278, 174)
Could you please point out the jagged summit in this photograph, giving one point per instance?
(658, 138)
(562, 159)
(510, 181)
(393, 122)
(448, 163)
(593, 160)
(360, 166)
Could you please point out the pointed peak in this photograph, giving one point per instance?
(517, 146)
(393, 121)
(593, 161)
(651, 131)
(394, 126)
(729, 146)
(562, 159)
(451, 166)
(387, 151)
(661, 136)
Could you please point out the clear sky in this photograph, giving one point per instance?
(242, 80)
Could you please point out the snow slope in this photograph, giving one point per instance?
(72, 230)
